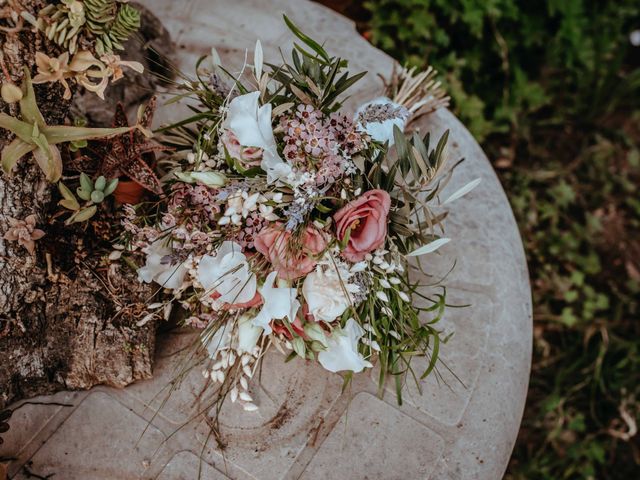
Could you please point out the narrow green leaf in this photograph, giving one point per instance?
(13, 152)
(315, 46)
(21, 129)
(111, 186)
(84, 214)
(28, 105)
(63, 133)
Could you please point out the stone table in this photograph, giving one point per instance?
(305, 428)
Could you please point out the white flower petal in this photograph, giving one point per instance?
(248, 334)
(158, 270)
(342, 351)
(278, 304)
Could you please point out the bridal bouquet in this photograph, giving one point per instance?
(289, 222)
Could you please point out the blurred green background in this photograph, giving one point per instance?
(551, 89)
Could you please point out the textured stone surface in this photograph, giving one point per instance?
(457, 429)
(374, 441)
(187, 466)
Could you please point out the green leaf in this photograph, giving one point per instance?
(83, 215)
(429, 247)
(65, 192)
(100, 183)
(63, 133)
(13, 152)
(212, 179)
(97, 196)
(86, 183)
(50, 161)
(21, 129)
(28, 105)
(69, 200)
(111, 186)
(70, 204)
(315, 332)
(315, 46)
(298, 346)
(84, 194)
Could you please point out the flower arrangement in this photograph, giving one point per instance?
(289, 223)
(274, 217)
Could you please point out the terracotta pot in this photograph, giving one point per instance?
(128, 191)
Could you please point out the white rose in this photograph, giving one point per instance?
(228, 273)
(342, 349)
(325, 293)
(159, 268)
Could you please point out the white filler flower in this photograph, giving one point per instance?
(342, 349)
(228, 273)
(160, 269)
(251, 124)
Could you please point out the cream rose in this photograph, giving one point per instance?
(327, 293)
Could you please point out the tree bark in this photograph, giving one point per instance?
(68, 318)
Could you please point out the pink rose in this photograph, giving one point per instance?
(248, 157)
(367, 219)
(292, 259)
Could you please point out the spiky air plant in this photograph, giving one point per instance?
(420, 92)
(35, 136)
(129, 154)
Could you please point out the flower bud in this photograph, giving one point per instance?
(11, 93)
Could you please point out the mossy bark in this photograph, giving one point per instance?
(67, 319)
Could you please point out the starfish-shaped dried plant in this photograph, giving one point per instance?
(131, 154)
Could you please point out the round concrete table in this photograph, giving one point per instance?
(305, 428)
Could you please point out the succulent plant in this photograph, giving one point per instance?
(127, 21)
(35, 136)
(63, 23)
(108, 22)
(92, 192)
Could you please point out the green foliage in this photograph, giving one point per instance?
(92, 192)
(107, 22)
(100, 14)
(127, 22)
(508, 60)
(552, 89)
(34, 136)
(63, 23)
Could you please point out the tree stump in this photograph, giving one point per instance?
(67, 318)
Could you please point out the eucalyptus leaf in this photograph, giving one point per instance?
(461, 192)
(429, 247)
